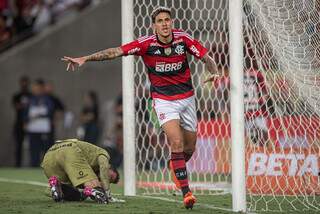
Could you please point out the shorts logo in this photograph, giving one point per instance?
(81, 175)
(162, 116)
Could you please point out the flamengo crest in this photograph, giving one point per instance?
(179, 50)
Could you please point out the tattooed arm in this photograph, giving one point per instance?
(211, 67)
(209, 63)
(106, 54)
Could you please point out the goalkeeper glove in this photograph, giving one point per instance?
(97, 194)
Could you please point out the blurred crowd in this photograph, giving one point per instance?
(20, 19)
(42, 118)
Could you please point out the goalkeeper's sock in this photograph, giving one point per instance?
(71, 193)
(187, 156)
(180, 170)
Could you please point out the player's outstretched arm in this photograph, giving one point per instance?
(210, 64)
(106, 54)
(211, 67)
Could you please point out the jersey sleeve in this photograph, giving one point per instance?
(135, 47)
(104, 167)
(194, 47)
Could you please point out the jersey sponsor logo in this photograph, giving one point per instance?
(276, 164)
(157, 52)
(135, 50)
(195, 50)
(167, 67)
(179, 50)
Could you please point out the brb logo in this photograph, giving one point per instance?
(167, 67)
(275, 164)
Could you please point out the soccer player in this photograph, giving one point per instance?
(165, 56)
(72, 165)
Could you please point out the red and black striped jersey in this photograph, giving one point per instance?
(167, 64)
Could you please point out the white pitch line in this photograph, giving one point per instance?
(176, 201)
(36, 183)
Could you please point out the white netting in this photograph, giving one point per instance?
(282, 42)
(281, 82)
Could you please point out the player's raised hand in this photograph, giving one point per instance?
(211, 79)
(73, 62)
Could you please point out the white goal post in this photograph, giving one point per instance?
(237, 106)
(258, 123)
(129, 159)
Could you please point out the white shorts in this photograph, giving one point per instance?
(183, 110)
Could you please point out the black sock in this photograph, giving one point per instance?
(71, 193)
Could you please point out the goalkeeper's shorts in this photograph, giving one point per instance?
(183, 110)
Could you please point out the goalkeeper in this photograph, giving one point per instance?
(77, 170)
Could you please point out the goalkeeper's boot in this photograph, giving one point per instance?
(97, 194)
(189, 200)
(173, 175)
(55, 189)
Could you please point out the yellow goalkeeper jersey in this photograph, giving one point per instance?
(77, 162)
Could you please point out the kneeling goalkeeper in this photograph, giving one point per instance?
(77, 170)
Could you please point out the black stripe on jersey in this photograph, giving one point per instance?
(175, 49)
(171, 90)
(183, 69)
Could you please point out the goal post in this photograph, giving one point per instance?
(237, 106)
(129, 159)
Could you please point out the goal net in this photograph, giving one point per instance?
(281, 85)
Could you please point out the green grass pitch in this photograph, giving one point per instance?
(32, 198)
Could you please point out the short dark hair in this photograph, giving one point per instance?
(116, 180)
(158, 10)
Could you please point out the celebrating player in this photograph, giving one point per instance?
(165, 56)
(71, 165)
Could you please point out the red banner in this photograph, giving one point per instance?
(288, 165)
